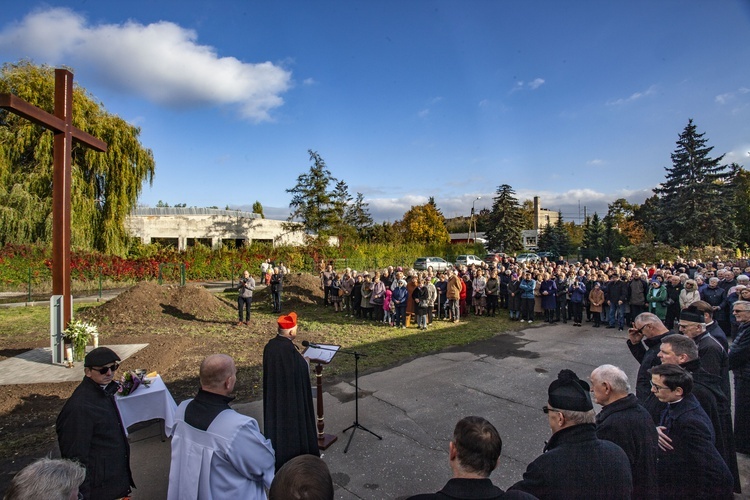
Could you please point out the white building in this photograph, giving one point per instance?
(184, 227)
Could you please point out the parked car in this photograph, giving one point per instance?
(467, 260)
(432, 264)
(551, 256)
(527, 257)
(494, 258)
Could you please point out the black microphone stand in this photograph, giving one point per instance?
(356, 425)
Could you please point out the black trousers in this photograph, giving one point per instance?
(244, 302)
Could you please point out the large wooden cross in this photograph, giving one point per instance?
(61, 123)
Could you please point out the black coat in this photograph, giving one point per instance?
(629, 425)
(288, 414)
(739, 363)
(648, 358)
(714, 359)
(89, 430)
(576, 464)
(694, 469)
(716, 332)
(709, 392)
(462, 488)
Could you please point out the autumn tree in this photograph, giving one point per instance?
(423, 224)
(695, 197)
(105, 186)
(505, 221)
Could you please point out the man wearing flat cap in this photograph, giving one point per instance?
(575, 463)
(288, 413)
(90, 431)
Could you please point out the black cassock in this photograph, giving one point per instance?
(288, 413)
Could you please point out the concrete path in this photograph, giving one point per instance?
(35, 366)
(415, 406)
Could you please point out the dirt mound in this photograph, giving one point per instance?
(148, 301)
(298, 288)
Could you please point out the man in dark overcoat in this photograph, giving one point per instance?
(575, 463)
(90, 431)
(288, 413)
(627, 424)
(692, 468)
(644, 339)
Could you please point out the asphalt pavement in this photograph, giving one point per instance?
(415, 406)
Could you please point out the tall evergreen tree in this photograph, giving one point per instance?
(312, 203)
(611, 239)
(105, 186)
(555, 238)
(741, 202)
(258, 209)
(358, 215)
(505, 221)
(695, 197)
(592, 238)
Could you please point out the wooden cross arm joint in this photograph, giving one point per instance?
(22, 108)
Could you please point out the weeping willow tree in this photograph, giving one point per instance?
(105, 186)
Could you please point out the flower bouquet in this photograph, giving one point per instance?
(78, 335)
(130, 380)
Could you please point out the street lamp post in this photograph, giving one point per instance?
(472, 221)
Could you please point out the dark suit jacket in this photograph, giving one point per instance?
(472, 489)
(576, 464)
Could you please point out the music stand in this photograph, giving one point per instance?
(321, 354)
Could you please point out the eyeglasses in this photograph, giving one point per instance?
(658, 387)
(640, 330)
(735, 311)
(106, 369)
(546, 409)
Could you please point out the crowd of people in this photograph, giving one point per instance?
(672, 437)
(603, 293)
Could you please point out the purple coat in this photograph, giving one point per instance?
(548, 301)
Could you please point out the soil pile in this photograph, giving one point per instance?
(148, 301)
(297, 289)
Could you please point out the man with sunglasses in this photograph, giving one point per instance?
(90, 431)
(575, 463)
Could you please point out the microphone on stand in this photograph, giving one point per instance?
(309, 344)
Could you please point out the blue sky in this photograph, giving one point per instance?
(577, 102)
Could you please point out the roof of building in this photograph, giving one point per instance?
(148, 211)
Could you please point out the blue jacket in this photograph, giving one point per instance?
(577, 291)
(527, 288)
(400, 294)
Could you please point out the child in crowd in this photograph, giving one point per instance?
(388, 308)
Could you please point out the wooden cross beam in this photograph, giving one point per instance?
(61, 123)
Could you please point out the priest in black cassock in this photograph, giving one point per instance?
(288, 413)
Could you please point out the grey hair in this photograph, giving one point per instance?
(648, 318)
(614, 376)
(579, 417)
(46, 479)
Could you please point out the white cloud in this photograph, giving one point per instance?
(729, 96)
(424, 113)
(532, 85)
(739, 155)
(633, 97)
(595, 162)
(160, 61)
(536, 83)
(309, 81)
(571, 203)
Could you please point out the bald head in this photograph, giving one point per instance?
(217, 374)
